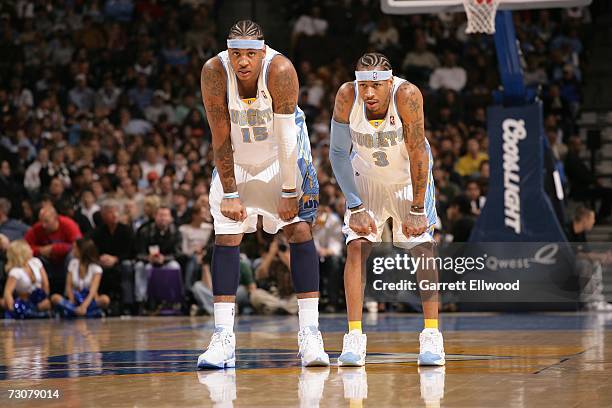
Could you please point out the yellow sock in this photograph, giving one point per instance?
(431, 323)
(355, 325)
(355, 403)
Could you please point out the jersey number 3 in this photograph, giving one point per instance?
(381, 159)
(259, 134)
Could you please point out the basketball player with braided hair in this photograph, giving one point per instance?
(263, 169)
(383, 164)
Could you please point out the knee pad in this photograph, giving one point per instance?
(225, 270)
(304, 267)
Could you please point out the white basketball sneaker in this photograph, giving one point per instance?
(432, 385)
(432, 348)
(221, 386)
(353, 350)
(221, 352)
(355, 383)
(311, 348)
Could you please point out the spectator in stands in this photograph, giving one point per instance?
(589, 260)
(150, 205)
(115, 243)
(385, 36)
(449, 75)
(82, 96)
(460, 218)
(56, 168)
(107, 97)
(28, 280)
(420, 62)
(159, 107)
(88, 213)
(329, 240)
(141, 95)
(51, 240)
(202, 288)
(583, 184)
(474, 194)
(83, 283)
(11, 228)
(196, 237)
(469, 164)
(158, 244)
(309, 25)
(274, 293)
(32, 175)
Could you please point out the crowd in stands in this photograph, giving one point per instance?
(104, 139)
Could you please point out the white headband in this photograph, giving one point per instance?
(245, 44)
(373, 75)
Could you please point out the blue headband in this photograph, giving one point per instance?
(373, 75)
(245, 44)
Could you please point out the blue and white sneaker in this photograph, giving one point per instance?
(353, 350)
(432, 348)
(311, 348)
(221, 352)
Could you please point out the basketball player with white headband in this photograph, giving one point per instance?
(263, 169)
(388, 174)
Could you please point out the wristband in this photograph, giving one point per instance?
(289, 194)
(362, 209)
(417, 212)
(231, 195)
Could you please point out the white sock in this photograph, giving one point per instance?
(308, 312)
(224, 315)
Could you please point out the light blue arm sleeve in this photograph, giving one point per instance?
(339, 155)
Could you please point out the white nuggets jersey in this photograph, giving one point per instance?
(252, 122)
(380, 152)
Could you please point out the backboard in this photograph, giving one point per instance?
(454, 6)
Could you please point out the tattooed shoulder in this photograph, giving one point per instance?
(344, 102)
(213, 79)
(410, 97)
(283, 85)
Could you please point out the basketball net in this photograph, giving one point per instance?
(480, 16)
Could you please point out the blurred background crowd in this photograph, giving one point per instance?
(103, 134)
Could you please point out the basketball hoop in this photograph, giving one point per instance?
(480, 16)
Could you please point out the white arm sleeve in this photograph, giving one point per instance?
(286, 130)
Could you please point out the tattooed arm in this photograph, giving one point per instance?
(410, 109)
(339, 156)
(284, 88)
(213, 83)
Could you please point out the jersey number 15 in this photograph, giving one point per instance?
(260, 133)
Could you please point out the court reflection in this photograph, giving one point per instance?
(221, 386)
(432, 385)
(311, 386)
(355, 384)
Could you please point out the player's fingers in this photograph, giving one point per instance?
(373, 227)
(242, 214)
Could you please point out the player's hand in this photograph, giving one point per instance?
(233, 209)
(362, 223)
(288, 208)
(414, 225)
(80, 311)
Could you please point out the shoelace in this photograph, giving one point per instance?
(306, 339)
(351, 343)
(219, 338)
(428, 343)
